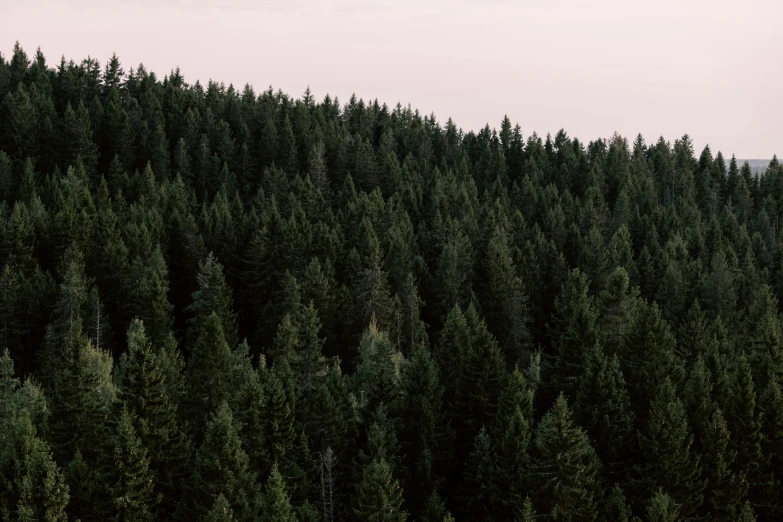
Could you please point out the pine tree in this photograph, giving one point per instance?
(142, 389)
(618, 306)
(454, 342)
(667, 442)
(377, 377)
(481, 377)
(279, 410)
(477, 497)
(378, 496)
(214, 297)
(299, 343)
(724, 487)
(221, 511)
(277, 506)
(564, 467)
(221, 468)
(507, 315)
(604, 409)
(82, 396)
(43, 494)
(661, 508)
(771, 406)
(125, 476)
(208, 371)
(422, 432)
(32, 487)
(511, 464)
(745, 424)
(746, 515)
(649, 355)
(574, 326)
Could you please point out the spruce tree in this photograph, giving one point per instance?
(564, 469)
(481, 376)
(221, 468)
(574, 327)
(666, 441)
(379, 496)
(142, 389)
(604, 410)
(214, 297)
(661, 508)
(208, 371)
(277, 506)
(124, 476)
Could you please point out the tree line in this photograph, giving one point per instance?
(227, 305)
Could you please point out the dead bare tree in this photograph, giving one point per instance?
(328, 462)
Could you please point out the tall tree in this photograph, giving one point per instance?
(564, 467)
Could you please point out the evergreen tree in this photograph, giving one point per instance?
(564, 467)
(745, 423)
(125, 477)
(667, 442)
(208, 371)
(214, 297)
(221, 468)
(378, 496)
(221, 511)
(574, 326)
(142, 389)
(661, 508)
(481, 377)
(277, 507)
(604, 409)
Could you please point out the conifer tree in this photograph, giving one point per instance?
(574, 327)
(214, 297)
(221, 468)
(125, 477)
(661, 508)
(142, 389)
(82, 396)
(377, 377)
(604, 410)
(422, 433)
(277, 506)
(379, 496)
(278, 414)
(667, 442)
(299, 343)
(208, 371)
(745, 423)
(724, 487)
(481, 377)
(564, 467)
(32, 486)
(477, 497)
(221, 511)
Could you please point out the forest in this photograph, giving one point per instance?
(229, 305)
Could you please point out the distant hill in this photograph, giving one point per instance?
(756, 165)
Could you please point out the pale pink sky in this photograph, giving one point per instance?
(709, 68)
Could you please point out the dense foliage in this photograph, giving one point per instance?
(222, 305)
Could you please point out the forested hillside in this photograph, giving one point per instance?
(230, 305)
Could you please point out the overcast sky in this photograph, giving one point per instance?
(709, 68)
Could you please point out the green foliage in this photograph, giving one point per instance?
(378, 496)
(125, 477)
(277, 506)
(667, 441)
(421, 305)
(221, 469)
(564, 468)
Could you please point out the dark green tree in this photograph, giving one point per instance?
(565, 468)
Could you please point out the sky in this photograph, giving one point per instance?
(708, 68)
